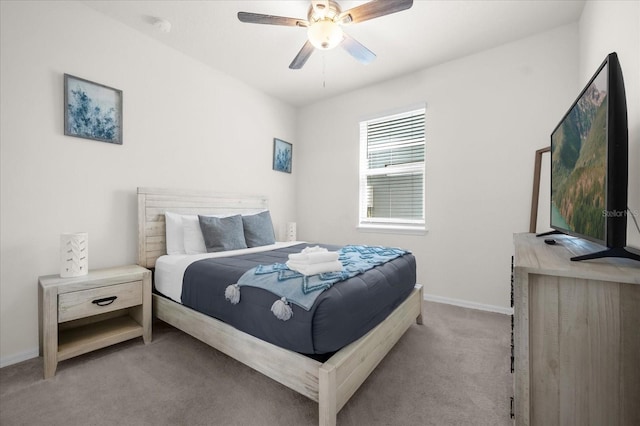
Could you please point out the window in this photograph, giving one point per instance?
(392, 165)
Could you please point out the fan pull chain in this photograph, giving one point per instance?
(324, 67)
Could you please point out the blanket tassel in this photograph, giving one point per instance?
(281, 309)
(232, 294)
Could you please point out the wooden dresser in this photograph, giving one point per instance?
(576, 335)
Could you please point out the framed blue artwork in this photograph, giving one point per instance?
(282, 155)
(92, 110)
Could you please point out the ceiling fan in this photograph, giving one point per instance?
(324, 26)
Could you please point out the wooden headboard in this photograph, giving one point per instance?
(154, 202)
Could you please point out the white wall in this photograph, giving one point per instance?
(185, 126)
(614, 26)
(487, 114)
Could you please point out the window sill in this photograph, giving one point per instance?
(393, 229)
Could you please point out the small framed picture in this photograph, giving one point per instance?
(92, 110)
(282, 155)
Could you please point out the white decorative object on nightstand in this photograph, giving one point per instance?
(74, 254)
(82, 314)
(291, 231)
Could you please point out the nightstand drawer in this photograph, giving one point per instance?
(84, 303)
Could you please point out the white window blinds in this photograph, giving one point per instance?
(392, 166)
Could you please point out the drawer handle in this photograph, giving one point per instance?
(106, 301)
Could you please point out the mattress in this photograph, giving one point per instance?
(339, 316)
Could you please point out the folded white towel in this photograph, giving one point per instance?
(315, 268)
(316, 249)
(298, 257)
(314, 257)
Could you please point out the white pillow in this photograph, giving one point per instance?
(193, 241)
(174, 233)
(183, 234)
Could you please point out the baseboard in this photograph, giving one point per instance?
(16, 358)
(468, 304)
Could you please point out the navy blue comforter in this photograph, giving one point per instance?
(340, 315)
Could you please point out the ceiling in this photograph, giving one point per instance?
(430, 33)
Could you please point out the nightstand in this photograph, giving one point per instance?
(82, 314)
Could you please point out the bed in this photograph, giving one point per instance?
(330, 383)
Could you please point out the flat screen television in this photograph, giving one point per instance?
(589, 165)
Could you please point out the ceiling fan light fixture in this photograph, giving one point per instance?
(325, 34)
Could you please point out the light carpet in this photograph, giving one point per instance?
(452, 370)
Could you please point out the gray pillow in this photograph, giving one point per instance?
(258, 229)
(222, 233)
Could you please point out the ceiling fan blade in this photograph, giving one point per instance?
(302, 56)
(357, 50)
(373, 9)
(258, 18)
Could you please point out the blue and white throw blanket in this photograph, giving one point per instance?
(291, 286)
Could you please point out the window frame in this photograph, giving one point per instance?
(389, 225)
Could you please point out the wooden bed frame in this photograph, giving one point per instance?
(331, 383)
